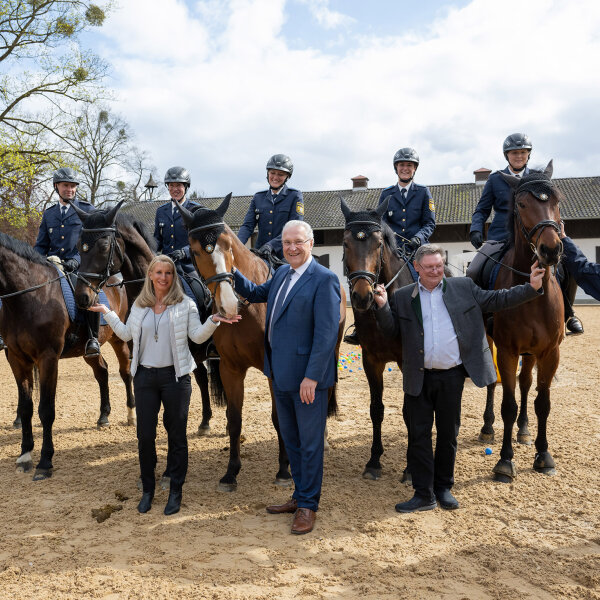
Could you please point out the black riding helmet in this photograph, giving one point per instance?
(406, 155)
(516, 141)
(65, 174)
(178, 175)
(281, 162)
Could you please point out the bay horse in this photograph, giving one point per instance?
(535, 329)
(369, 258)
(215, 250)
(38, 332)
(112, 242)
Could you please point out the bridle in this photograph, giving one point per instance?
(369, 276)
(114, 248)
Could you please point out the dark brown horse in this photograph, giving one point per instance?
(37, 330)
(370, 257)
(216, 249)
(113, 242)
(533, 330)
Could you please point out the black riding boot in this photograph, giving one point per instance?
(92, 347)
(352, 337)
(568, 286)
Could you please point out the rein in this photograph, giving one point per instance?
(31, 289)
(110, 269)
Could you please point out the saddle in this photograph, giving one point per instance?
(483, 269)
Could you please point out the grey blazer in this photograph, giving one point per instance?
(466, 303)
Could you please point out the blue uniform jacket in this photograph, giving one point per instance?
(586, 273)
(271, 217)
(305, 333)
(170, 233)
(496, 194)
(58, 236)
(414, 217)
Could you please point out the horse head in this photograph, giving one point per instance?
(101, 248)
(363, 244)
(537, 214)
(211, 246)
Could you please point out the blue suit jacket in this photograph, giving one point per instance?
(586, 273)
(58, 236)
(496, 194)
(271, 218)
(170, 233)
(414, 217)
(305, 333)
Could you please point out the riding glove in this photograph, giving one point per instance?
(476, 239)
(413, 244)
(176, 255)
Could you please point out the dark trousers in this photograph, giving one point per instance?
(154, 387)
(440, 399)
(302, 428)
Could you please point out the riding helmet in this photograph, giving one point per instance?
(281, 162)
(65, 174)
(516, 141)
(406, 155)
(178, 175)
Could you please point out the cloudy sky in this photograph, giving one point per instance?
(220, 85)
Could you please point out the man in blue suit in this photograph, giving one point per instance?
(271, 209)
(303, 314)
(169, 232)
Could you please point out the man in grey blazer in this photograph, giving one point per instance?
(441, 325)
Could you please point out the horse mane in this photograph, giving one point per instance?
(123, 221)
(22, 249)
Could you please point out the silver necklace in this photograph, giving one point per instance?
(156, 325)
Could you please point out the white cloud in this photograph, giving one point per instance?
(219, 88)
(330, 19)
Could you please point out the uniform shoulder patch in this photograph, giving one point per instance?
(431, 205)
(300, 208)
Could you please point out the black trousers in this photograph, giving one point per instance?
(154, 387)
(439, 400)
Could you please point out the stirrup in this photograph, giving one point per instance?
(92, 348)
(574, 326)
(352, 337)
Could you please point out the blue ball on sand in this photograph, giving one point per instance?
(488, 451)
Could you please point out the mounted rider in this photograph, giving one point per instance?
(497, 195)
(58, 235)
(271, 209)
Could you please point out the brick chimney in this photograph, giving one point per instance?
(481, 175)
(359, 183)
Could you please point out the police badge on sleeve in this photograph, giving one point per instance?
(300, 208)
(431, 205)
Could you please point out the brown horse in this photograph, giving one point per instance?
(37, 330)
(112, 242)
(370, 257)
(535, 329)
(216, 249)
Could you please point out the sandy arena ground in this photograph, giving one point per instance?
(537, 538)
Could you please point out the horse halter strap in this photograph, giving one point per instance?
(354, 276)
(112, 233)
(528, 234)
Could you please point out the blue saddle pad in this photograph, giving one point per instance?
(493, 276)
(187, 289)
(74, 313)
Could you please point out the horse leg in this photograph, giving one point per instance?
(122, 353)
(100, 369)
(47, 412)
(17, 421)
(544, 463)
(23, 374)
(233, 382)
(525, 379)
(283, 477)
(374, 373)
(201, 376)
(487, 431)
(505, 470)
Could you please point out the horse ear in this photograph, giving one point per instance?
(187, 216)
(512, 181)
(549, 169)
(345, 209)
(112, 215)
(224, 206)
(382, 208)
(80, 213)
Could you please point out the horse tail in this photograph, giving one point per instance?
(332, 407)
(217, 392)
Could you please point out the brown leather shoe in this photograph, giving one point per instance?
(304, 521)
(289, 507)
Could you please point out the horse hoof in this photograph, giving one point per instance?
(203, 429)
(24, 467)
(227, 487)
(131, 421)
(17, 423)
(284, 482)
(406, 477)
(371, 473)
(524, 438)
(41, 474)
(505, 471)
(102, 421)
(486, 438)
(544, 463)
(501, 478)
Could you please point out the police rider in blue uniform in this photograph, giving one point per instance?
(271, 209)
(497, 195)
(58, 235)
(169, 231)
(410, 213)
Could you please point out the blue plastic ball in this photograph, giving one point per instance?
(488, 451)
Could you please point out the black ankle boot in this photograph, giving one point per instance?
(92, 348)
(146, 502)
(574, 326)
(174, 502)
(352, 338)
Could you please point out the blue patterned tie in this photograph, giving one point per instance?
(403, 194)
(64, 211)
(280, 299)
